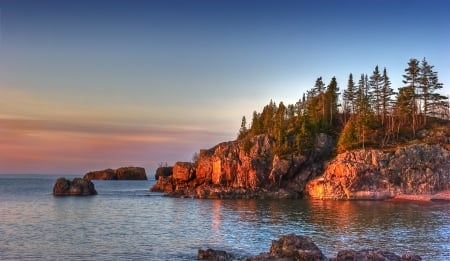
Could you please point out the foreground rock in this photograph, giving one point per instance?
(301, 248)
(214, 255)
(77, 187)
(236, 170)
(413, 172)
(125, 173)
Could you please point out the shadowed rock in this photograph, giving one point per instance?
(214, 255)
(125, 173)
(163, 172)
(301, 248)
(77, 187)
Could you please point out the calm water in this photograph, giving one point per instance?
(126, 222)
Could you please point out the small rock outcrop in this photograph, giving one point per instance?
(125, 173)
(301, 248)
(76, 187)
(163, 172)
(419, 169)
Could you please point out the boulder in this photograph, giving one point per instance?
(301, 248)
(291, 248)
(124, 173)
(214, 255)
(76, 187)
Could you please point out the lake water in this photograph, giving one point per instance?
(126, 222)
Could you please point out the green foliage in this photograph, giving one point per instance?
(348, 139)
(369, 114)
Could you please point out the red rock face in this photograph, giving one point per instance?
(373, 174)
(183, 171)
(227, 170)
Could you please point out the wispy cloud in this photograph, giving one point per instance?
(63, 146)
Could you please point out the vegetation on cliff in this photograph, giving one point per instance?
(367, 114)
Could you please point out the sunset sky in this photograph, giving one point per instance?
(94, 84)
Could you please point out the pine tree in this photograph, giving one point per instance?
(411, 81)
(331, 97)
(319, 88)
(386, 96)
(243, 130)
(348, 139)
(349, 97)
(376, 83)
(429, 84)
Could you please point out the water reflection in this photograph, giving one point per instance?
(335, 225)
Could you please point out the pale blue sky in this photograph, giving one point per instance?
(184, 72)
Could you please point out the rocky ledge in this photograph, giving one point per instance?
(76, 187)
(301, 248)
(234, 170)
(230, 170)
(125, 173)
(415, 172)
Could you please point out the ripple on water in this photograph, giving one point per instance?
(125, 221)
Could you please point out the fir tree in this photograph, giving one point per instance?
(376, 83)
(411, 81)
(386, 96)
(349, 97)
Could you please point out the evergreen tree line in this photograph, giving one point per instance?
(369, 113)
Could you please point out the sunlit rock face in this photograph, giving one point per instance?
(76, 187)
(124, 173)
(374, 174)
(228, 170)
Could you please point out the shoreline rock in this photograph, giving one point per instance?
(76, 187)
(415, 172)
(293, 247)
(232, 171)
(124, 173)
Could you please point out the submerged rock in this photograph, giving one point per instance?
(124, 173)
(77, 187)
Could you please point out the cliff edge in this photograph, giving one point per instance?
(229, 170)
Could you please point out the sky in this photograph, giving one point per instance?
(95, 84)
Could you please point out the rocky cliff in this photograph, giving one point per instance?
(230, 171)
(419, 169)
(125, 173)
